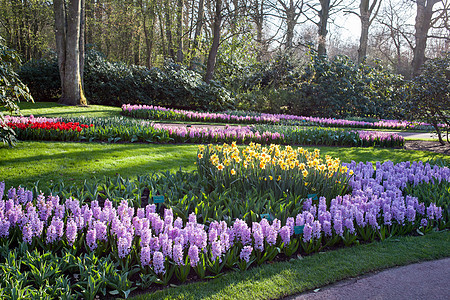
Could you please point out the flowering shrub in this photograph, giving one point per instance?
(280, 170)
(162, 113)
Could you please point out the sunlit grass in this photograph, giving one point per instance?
(53, 110)
(277, 280)
(29, 162)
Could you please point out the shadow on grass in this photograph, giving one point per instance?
(77, 113)
(76, 165)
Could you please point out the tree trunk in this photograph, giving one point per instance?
(423, 23)
(161, 29)
(290, 22)
(169, 29)
(82, 39)
(60, 38)
(68, 48)
(148, 31)
(198, 31)
(215, 44)
(323, 20)
(364, 17)
(180, 5)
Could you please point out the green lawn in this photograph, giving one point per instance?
(53, 109)
(277, 280)
(29, 162)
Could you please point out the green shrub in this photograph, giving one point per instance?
(42, 77)
(429, 94)
(12, 90)
(116, 83)
(323, 88)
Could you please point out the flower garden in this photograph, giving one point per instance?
(257, 196)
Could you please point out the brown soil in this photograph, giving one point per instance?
(428, 146)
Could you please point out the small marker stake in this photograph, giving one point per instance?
(268, 217)
(298, 229)
(313, 196)
(158, 199)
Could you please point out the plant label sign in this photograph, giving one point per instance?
(268, 217)
(313, 196)
(298, 229)
(158, 199)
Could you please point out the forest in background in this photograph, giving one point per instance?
(276, 56)
(149, 32)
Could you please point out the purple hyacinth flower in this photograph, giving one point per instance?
(178, 255)
(193, 255)
(246, 252)
(91, 239)
(307, 233)
(71, 231)
(146, 256)
(158, 263)
(285, 235)
(27, 234)
(317, 228)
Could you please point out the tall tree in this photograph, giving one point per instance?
(289, 11)
(367, 13)
(211, 63)
(180, 56)
(422, 26)
(68, 39)
(324, 13)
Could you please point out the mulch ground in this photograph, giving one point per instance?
(428, 146)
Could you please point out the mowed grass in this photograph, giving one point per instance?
(54, 110)
(29, 162)
(277, 280)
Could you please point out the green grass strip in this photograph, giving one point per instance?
(29, 162)
(272, 281)
(55, 110)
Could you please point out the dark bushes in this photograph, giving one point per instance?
(115, 83)
(323, 88)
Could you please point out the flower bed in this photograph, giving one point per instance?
(108, 243)
(161, 113)
(125, 130)
(280, 170)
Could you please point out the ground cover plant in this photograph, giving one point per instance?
(159, 245)
(162, 113)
